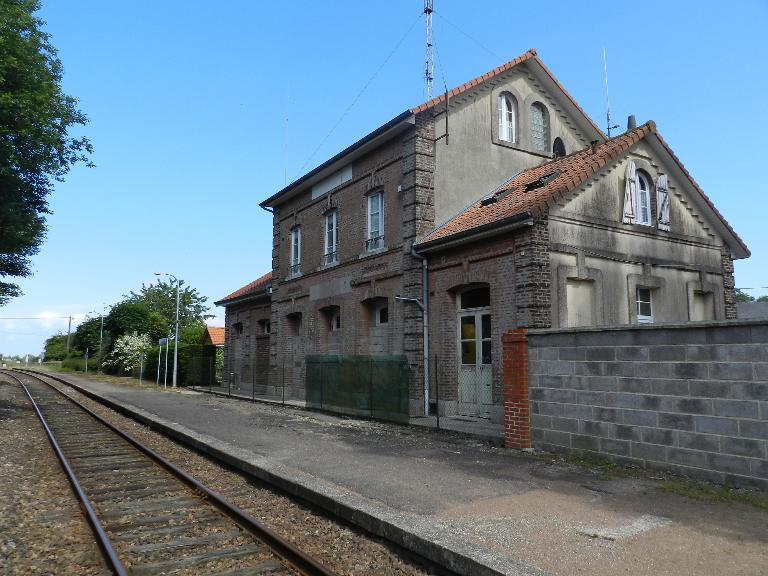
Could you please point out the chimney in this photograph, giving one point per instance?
(631, 122)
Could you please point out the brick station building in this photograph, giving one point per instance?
(497, 206)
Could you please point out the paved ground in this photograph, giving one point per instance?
(510, 511)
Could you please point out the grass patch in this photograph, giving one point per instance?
(711, 493)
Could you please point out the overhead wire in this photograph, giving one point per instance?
(475, 40)
(359, 95)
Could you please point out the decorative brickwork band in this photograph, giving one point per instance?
(517, 423)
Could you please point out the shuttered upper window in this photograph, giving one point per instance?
(643, 211)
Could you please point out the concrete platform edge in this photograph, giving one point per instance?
(398, 535)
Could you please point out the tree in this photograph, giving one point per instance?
(56, 347)
(161, 298)
(742, 296)
(126, 354)
(134, 317)
(87, 336)
(192, 334)
(762, 299)
(36, 147)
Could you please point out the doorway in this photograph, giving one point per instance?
(475, 352)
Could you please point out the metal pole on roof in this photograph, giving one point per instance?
(428, 64)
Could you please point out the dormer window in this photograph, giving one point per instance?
(643, 209)
(507, 117)
(539, 127)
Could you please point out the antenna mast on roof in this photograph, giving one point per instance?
(428, 65)
(607, 99)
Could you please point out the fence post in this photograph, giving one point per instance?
(370, 385)
(282, 377)
(437, 393)
(517, 428)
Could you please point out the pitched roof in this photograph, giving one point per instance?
(215, 334)
(475, 81)
(406, 118)
(532, 191)
(530, 55)
(257, 286)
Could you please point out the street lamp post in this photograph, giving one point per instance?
(176, 333)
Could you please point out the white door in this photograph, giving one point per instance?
(475, 372)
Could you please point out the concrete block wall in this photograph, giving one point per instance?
(690, 398)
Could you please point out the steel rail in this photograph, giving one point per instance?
(101, 536)
(282, 547)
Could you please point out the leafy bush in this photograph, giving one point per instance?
(126, 351)
(78, 364)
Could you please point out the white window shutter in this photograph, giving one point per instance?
(662, 202)
(630, 192)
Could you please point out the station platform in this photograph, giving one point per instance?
(464, 502)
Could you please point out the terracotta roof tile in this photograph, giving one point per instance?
(529, 55)
(256, 286)
(215, 335)
(475, 81)
(567, 173)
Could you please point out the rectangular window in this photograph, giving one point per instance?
(644, 308)
(375, 222)
(382, 315)
(335, 321)
(295, 251)
(331, 238)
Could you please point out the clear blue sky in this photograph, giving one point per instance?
(188, 103)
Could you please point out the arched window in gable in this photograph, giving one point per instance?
(558, 148)
(507, 117)
(539, 127)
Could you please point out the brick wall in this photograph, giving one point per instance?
(402, 170)
(245, 352)
(692, 399)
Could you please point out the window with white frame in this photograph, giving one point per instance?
(375, 222)
(330, 255)
(643, 200)
(644, 305)
(507, 117)
(539, 127)
(295, 251)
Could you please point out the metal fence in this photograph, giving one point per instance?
(370, 386)
(462, 399)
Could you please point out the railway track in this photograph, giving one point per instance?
(148, 516)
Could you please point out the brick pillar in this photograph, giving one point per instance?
(517, 426)
(729, 292)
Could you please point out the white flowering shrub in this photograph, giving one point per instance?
(126, 351)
